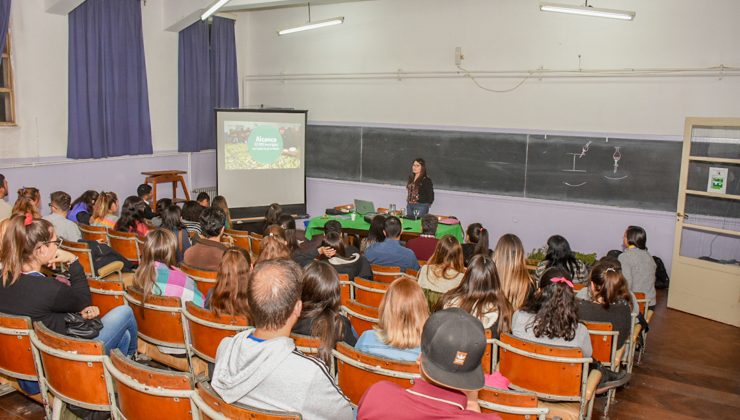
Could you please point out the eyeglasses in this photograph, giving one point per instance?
(58, 242)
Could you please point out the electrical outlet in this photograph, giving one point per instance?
(458, 56)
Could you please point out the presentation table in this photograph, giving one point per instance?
(316, 226)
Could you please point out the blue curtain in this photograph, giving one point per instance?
(108, 95)
(225, 82)
(207, 79)
(4, 21)
(195, 120)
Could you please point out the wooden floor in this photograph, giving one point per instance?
(691, 370)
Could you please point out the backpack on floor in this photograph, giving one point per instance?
(661, 275)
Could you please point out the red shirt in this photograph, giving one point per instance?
(386, 400)
(422, 246)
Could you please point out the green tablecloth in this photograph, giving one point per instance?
(315, 226)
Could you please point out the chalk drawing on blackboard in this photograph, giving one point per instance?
(578, 156)
(616, 174)
(575, 185)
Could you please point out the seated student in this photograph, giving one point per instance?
(229, 295)
(206, 251)
(82, 208)
(443, 271)
(272, 215)
(560, 255)
(191, 211)
(132, 218)
(452, 345)
(476, 242)
(303, 256)
(144, 191)
(28, 201)
(274, 245)
(334, 251)
(105, 210)
(287, 222)
(403, 312)
(390, 252)
(609, 299)
(261, 367)
(162, 204)
(28, 245)
(203, 199)
(638, 265)
(5, 208)
(424, 245)
(375, 234)
(320, 316)
(59, 202)
(172, 221)
(220, 202)
(480, 294)
(157, 273)
(516, 282)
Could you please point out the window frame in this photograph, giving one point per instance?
(9, 89)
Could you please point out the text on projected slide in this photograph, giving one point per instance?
(261, 145)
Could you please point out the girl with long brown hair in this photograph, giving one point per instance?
(444, 270)
(516, 282)
(157, 273)
(81, 209)
(476, 242)
(219, 201)
(480, 295)
(133, 217)
(320, 316)
(104, 210)
(28, 201)
(229, 295)
(29, 244)
(274, 245)
(403, 312)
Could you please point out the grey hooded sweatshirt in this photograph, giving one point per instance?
(273, 375)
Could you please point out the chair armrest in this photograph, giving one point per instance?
(110, 268)
(594, 377)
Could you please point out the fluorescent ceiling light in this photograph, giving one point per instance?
(313, 25)
(587, 10)
(213, 9)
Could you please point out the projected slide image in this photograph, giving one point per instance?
(261, 145)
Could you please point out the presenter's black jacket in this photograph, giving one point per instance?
(426, 191)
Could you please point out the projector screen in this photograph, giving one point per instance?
(261, 159)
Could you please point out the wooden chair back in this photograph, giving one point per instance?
(385, 274)
(357, 371)
(74, 369)
(603, 341)
(307, 344)
(510, 405)
(362, 317)
(83, 253)
(368, 292)
(345, 288)
(239, 238)
(642, 302)
(255, 244)
(127, 244)
(208, 329)
(17, 357)
(560, 370)
(159, 319)
(94, 233)
(487, 359)
(106, 294)
(578, 286)
(211, 406)
(412, 273)
(205, 280)
(142, 390)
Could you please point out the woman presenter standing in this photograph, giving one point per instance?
(420, 190)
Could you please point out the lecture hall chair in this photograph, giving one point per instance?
(211, 406)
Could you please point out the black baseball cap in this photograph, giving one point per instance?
(452, 345)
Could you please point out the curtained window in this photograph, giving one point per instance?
(108, 95)
(207, 79)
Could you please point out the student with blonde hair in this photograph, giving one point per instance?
(28, 201)
(157, 273)
(516, 282)
(104, 210)
(444, 270)
(403, 312)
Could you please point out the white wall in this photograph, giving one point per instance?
(386, 35)
(40, 66)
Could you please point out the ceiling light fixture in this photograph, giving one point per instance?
(587, 10)
(312, 25)
(213, 9)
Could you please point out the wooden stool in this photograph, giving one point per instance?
(163, 177)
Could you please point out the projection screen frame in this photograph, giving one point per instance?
(259, 211)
